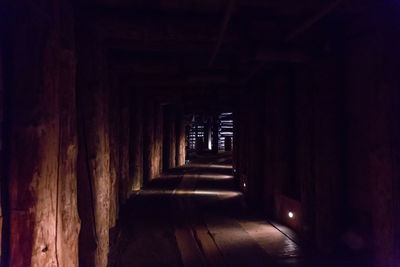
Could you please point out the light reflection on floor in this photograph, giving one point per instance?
(215, 176)
(201, 176)
(216, 193)
(200, 165)
(270, 239)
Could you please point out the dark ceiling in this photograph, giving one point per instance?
(199, 48)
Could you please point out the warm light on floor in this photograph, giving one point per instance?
(213, 166)
(215, 176)
(219, 193)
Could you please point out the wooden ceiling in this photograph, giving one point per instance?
(206, 44)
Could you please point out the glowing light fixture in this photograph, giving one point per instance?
(291, 214)
(244, 185)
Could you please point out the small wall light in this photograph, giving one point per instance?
(244, 185)
(290, 214)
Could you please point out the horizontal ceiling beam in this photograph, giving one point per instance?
(209, 82)
(290, 56)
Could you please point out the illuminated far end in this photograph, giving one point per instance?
(290, 214)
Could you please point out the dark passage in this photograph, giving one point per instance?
(199, 133)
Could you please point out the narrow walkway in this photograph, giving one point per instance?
(195, 216)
